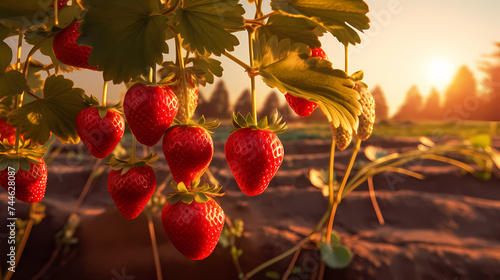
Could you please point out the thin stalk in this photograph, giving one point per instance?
(373, 198)
(460, 164)
(258, 9)
(292, 264)
(338, 199)
(239, 62)
(180, 60)
(19, 49)
(22, 245)
(154, 245)
(251, 33)
(56, 12)
(105, 93)
(346, 58)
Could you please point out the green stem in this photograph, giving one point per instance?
(105, 93)
(19, 49)
(251, 33)
(346, 58)
(56, 11)
(154, 245)
(258, 11)
(239, 62)
(180, 60)
(171, 9)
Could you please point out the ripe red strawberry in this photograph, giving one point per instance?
(29, 185)
(67, 50)
(8, 132)
(194, 229)
(149, 111)
(188, 151)
(131, 191)
(60, 4)
(302, 106)
(253, 151)
(100, 135)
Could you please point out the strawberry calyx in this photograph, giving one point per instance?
(274, 125)
(126, 164)
(208, 126)
(167, 81)
(103, 110)
(20, 159)
(357, 77)
(200, 194)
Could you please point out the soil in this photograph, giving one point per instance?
(445, 227)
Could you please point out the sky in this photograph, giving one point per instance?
(410, 42)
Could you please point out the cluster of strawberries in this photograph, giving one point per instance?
(192, 219)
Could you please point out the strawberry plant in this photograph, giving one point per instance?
(127, 40)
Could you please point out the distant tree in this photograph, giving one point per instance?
(218, 106)
(412, 106)
(202, 107)
(461, 101)
(492, 85)
(432, 108)
(287, 113)
(244, 103)
(271, 103)
(381, 108)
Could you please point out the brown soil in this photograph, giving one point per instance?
(446, 227)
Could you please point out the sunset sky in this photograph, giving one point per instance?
(419, 42)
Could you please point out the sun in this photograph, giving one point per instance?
(439, 72)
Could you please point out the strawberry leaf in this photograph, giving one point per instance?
(299, 30)
(340, 17)
(208, 66)
(204, 24)
(127, 37)
(335, 257)
(21, 15)
(289, 68)
(12, 83)
(55, 112)
(5, 56)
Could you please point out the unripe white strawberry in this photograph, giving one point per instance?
(342, 136)
(367, 117)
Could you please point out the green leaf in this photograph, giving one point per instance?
(5, 56)
(273, 275)
(127, 37)
(204, 24)
(339, 17)
(336, 257)
(208, 66)
(201, 197)
(289, 68)
(24, 14)
(55, 112)
(299, 30)
(4, 32)
(12, 83)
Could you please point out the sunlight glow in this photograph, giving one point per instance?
(439, 72)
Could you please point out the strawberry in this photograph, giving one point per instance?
(100, 135)
(302, 106)
(131, 190)
(149, 111)
(188, 150)
(193, 221)
(8, 132)
(60, 4)
(67, 50)
(29, 185)
(367, 117)
(254, 153)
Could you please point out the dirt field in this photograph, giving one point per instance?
(446, 227)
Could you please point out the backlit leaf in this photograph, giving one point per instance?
(127, 37)
(55, 112)
(5, 56)
(204, 24)
(336, 257)
(12, 83)
(339, 17)
(299, 30)
(289, 68)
